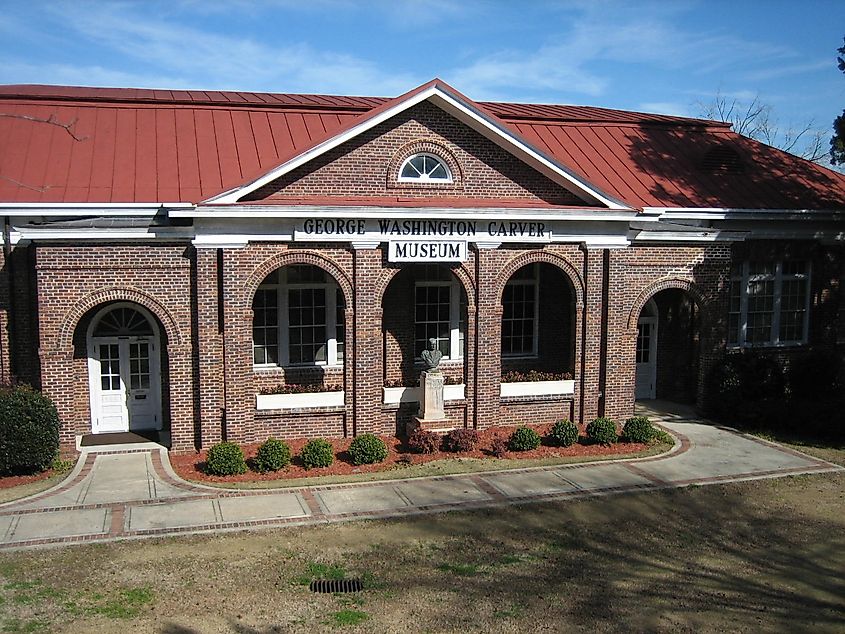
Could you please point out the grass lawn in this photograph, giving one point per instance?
(767, 555)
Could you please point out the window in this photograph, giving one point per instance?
(424, 168)
(439, 307)
(298, 318)
(769, 303)
(520, 311)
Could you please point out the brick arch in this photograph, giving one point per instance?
(684, 284)
(117, 294)
(549, 258)
(430, 146)
(298, 257)
(460, 272)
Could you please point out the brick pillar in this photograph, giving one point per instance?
(182, 386)
(488, 336)
(209, 350)
(58, 384)
(368, 370)
(239, 413)
(591, 336)
(620, 356)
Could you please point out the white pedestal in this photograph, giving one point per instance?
(431, 396)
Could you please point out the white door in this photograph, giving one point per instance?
(646, 358)
(126, 394)
(124, 371)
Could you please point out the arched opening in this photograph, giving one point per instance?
(422, 302)
(668, 334)
(538, 323)
(299, 319)
(124, 369)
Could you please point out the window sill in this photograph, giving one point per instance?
(299, 401)
(276, 368)
(538, 388)
(766, 346)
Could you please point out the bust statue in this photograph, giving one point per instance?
(431, 356)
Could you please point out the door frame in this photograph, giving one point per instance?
(648, 315)
(94, 389)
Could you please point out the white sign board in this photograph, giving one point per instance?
(426, 251)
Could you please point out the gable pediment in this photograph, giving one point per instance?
(490, 161)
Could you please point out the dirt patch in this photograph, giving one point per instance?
(191, 466)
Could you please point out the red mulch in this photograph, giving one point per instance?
(190, 466)
(7, 482)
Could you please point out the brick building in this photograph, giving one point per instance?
(199, 262)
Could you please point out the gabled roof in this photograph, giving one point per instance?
(454, 103)
(187, 146)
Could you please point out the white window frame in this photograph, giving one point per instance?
(535, 281)
(743, 279)
(424, 178)
(454, 316)
(282, 287)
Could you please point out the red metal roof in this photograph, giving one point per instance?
(143, 145)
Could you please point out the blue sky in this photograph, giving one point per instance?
(660, 56)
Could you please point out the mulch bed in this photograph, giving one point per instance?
(190, 466)
(7, 482)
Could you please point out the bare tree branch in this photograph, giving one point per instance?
(52, 120)
(20, 184)
(755, 119)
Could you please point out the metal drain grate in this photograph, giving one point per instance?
(333, 586)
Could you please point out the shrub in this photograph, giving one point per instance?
(602, 431)
(523, 439)
(224, 459)
(563, 433)
(739, 380)
(29, 430)
(423, 441)
(638, 429)
(499, 446)
(459, 440)
(814, 375)
(367, 449)
(317, 453)
(273, 454)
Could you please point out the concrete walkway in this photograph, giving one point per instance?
(128, 492)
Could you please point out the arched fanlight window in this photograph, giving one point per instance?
(123, 322)
(424, 168)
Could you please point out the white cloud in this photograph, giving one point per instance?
(672, 108)
(177, 56)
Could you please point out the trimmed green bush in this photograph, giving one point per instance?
(563, 433)
(638, 429)
(367, 449)
(272, 455)
(225, 459)
(524, 439)
(317, 453)
(29, 431)
(602, 431)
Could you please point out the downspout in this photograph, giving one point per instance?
(7, 264)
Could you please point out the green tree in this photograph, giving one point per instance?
(837, 143)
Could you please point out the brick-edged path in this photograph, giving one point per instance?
(130, 495)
